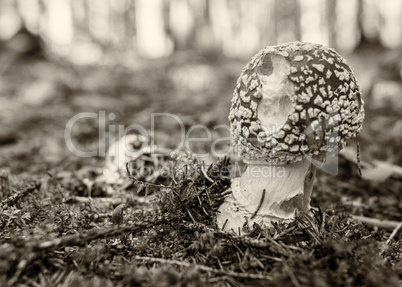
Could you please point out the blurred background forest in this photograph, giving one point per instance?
(132, 58)
(89, 31)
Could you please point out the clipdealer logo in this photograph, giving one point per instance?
(109, 134)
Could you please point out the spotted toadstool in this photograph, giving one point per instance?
(293, 105)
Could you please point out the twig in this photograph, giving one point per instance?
(20, 194)
(306, 223)
(184, 206)
(385, 224)
(224, 224)
(21, 266)
(394, 232)
(205, 268)
(136, 181)
(81, 239)
(259, 205)
(209, 198)
(205, 174)
(292, 276)
(110, 200)
(359, 169)
(84, 199)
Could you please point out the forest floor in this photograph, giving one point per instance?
(69, 220)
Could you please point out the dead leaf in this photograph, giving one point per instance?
(381, 171)
(117, 215)
(377, 170)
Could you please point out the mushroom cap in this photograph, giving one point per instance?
(322, 99)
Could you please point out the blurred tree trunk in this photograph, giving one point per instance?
(129, 20)
(99, 22)
(287, 20)
(220, 22)
(296, 19)
(152, 41)
(181, 24)
(202, 25)
(267, 23)
(364, 40)
(331, 22)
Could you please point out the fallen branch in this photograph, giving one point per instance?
(205, 268)
(95, 200)
(82, 239)
(384, 224)
(107, 200)
(20, 194)
(394, 232)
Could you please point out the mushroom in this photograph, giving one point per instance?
(293, 106)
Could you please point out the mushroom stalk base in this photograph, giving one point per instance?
(265, 194)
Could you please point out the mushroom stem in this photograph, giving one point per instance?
(287, 191)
